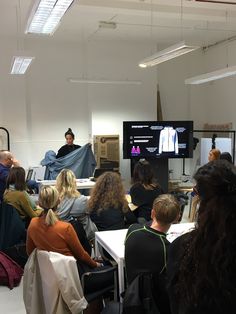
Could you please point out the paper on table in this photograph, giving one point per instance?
(177, 230)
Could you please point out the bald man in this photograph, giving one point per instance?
(7, 161)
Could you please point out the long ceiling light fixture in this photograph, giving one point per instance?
(212, 76)
(103, 81)
(20, 64)
(46, 15)
(171, 52)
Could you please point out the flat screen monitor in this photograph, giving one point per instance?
(159, 139)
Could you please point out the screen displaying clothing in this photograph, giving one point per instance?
(168, 141)
(159, 139)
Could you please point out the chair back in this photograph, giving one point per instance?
(12, 228)
(55, 278)
(97, 283)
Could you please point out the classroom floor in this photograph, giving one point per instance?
(12, 300)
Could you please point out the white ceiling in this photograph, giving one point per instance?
(162, 22)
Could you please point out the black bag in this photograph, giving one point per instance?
(12, 228)
(112, 308)
(17, 253)
(79, 229)
(138, 298)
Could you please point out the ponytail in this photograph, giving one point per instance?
(48, 200)
(51, 218)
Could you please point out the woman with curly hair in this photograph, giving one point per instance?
(108, 205)
(72, 204)
(202, 264)
(144, 190)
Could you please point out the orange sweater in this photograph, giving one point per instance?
(60, 238)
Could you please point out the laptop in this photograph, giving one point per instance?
(100, 171)
(29, 174)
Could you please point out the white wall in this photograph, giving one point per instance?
(38, 108)
(180, 101)
(212, 103)
(112, 104)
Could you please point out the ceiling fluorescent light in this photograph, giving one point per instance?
(46, 15)
(103, 81)
(20, 64)
(212, 76)
(167, 54)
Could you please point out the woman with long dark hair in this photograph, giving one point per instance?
(144, 189)
(17, 196)
(202, 264)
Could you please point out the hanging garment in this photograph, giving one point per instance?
(168, 141)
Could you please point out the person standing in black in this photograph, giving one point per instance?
(69, 146)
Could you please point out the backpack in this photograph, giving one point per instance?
(10, 272)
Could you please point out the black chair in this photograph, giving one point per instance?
(113, 308)
(12, 228)
(97, 284)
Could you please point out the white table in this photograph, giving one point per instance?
(113, 243)
(81, 183)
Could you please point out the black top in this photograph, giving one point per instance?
(112, 219)
(66, 149)
(146, 252)
(4, 171)
(144, 198)
(174, 260)
(212, 302)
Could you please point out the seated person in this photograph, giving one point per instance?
(144, 190)
(72, 203)
(7, 161)
(108, 205)
(16, 195)
(146, 247)
(214, 154)
(48, 233)
(226, 156)
(201, 266)
(69, 146)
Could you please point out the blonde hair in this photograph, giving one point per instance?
(216, 153)
(66, 184)
(48, 200)
(166, 208)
